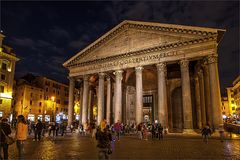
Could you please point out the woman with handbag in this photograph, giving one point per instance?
(21, 134)
(5, 130)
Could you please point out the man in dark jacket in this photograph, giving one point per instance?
(39, 128)
(4, 127)
(104, 139)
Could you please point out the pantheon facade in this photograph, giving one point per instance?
(144, 71)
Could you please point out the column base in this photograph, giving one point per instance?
(188, 131)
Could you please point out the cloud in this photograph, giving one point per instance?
(23, 42)
(81, 42)
(58, 32)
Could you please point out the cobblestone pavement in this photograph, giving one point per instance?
(129, 147)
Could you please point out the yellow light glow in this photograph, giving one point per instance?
(6, 95)
(9, 69)
(52, 98)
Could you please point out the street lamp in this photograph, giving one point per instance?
(53, 109)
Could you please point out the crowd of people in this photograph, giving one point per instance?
(103, 133)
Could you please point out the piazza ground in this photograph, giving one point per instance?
(173, 146)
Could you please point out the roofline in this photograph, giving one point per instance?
(206, 29)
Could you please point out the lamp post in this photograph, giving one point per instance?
(53, 109)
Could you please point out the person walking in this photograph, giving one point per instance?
(206, 132)
(139, 131)
(21, 135)
(104, 138)
(117, 127)
(39, 128)
(5, 130)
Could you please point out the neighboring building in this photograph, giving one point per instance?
(39, 97)
(231, 101)
(225, 107)
(144, 71)
(236, 94)
(7, 68)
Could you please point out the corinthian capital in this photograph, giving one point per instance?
(85, 77)
(101, 75)
(118, 73)
(212, 58)
(184, 63)
(161, 66)
(138, 69)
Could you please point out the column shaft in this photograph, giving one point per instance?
(215, 91)
(108, 100)
(139, 95)
(85, 99)
(81, 104)
(198, 105)
(202, 98)
(100, 98)
(207, 95)
(162, 95)
(118, 96)
(70, 100)
(186, 95)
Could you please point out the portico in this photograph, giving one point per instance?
(143, 71)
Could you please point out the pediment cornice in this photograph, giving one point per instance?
(205, 33)
(145, 51)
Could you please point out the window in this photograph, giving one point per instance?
(1, 101)
(65, 102)
(1, 89)
(3, 77)
(46, 89)
(31, 94)
(22, 93)
(54, 91)
(30, 102)
(58, 92)
(4, 66)
(58, 101)
(39, 110)
(40, 104)
(40, 96)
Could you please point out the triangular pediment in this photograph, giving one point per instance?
(132, 36)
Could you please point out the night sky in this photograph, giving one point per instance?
(46, 34)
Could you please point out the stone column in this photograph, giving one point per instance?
(81, 104)
(70, 100)
(118, 96)
(202, 98)
(139, 95)
(90, 107)
(186, 95)
(162, 95)
(215, 91)
(100, 98)
(108, 99)
(85, 99)
(198, 106)
(207, 94)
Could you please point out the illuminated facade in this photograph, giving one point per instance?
(236, 94)
(7, 68)
(225, 107)
(43, 97)
(231, 101)
(143, 71)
